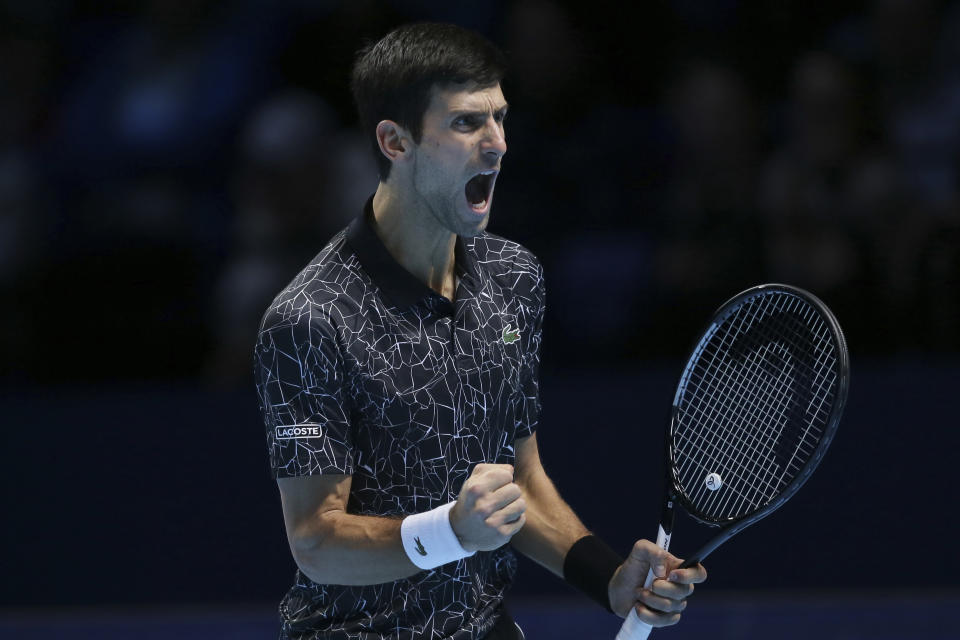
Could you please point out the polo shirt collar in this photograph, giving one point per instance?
(400, 286)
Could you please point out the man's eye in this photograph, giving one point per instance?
(466, 122)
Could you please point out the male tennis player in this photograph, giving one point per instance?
(398, 381)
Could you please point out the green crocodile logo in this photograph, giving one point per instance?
(509, 337)
(420, 549)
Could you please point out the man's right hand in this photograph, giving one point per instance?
(489, 510)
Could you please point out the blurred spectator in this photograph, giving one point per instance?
(915, 45)
(570, 187)
(910, 49)
(662, 186)
(920, 93)
(544, 167)
(827, 189)
(302, 179)
(545, 58)
(715, 165)
(134, 162)
(155, 95)
(816, 193)
(164, 88)
(706, 228)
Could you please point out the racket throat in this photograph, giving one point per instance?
(665, 530)
(718, 540)
(663, 538)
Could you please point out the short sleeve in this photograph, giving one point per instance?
(299, 374)
(528, 403)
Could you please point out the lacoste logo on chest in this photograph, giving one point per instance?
(509, 337)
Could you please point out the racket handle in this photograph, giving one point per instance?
(633, 627)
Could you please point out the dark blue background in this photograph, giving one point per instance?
(167, 166)
(150, 494)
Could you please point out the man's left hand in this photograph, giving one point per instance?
(661, 604)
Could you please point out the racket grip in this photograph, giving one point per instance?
(633, 627)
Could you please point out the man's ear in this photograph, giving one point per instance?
(393, 139)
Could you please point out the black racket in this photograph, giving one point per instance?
(756, 408)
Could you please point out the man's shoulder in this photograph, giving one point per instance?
(331, 275)
(503, 257)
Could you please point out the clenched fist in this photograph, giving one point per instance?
(489, 510)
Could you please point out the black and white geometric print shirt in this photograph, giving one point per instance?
(362, 369)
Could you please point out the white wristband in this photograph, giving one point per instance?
(429, 539)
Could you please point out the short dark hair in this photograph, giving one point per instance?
(393, 78)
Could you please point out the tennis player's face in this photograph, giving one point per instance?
(458, 159)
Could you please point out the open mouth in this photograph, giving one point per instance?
(479, 189)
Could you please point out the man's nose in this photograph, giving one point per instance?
(495, 142)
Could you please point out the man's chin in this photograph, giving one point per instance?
(459, 219)
(473, 228)
(473, 223)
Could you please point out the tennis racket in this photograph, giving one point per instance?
(755, 410)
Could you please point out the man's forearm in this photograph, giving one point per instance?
(332, 546)
(341, 548)
(552, 527)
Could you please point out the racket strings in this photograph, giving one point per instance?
(752, 450)
(747, 452)
(756, 362)
(778, 390)
(754, 404)
(746, 440)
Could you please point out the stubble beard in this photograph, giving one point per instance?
(448, 211)
(451, 217)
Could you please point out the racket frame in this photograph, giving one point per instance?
(635, 629)
(734, 525)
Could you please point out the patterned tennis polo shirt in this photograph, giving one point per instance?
(362, 369)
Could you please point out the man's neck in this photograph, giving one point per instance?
(415, 239)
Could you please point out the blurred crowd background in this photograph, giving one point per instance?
(166, 166)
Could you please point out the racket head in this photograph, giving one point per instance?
(757, 405)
